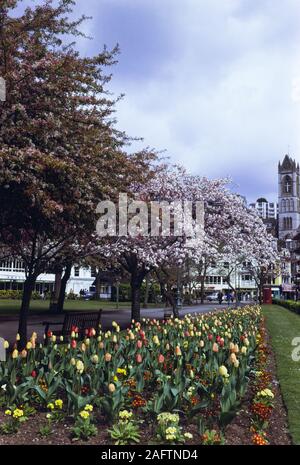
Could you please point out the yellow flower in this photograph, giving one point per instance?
(79, 366)
(7, 412)
(88, 408)
(6, 344)
(59, 403)
(84, 414)
(29, 345)
(124, 415)
(18, 413)
(15, 354)
(223, 371)
(18, 337)
(51, 406)
(121, 371)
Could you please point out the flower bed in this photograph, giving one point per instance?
(166, 382)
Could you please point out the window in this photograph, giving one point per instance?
(287, 185)
(287, 223)
(76, 270)
(213, 280)
(93, 272)
(246, 277)
(283, 206)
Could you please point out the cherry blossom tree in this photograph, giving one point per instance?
(60, 152)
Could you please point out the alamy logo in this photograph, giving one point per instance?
(156, 219)
(2, 90)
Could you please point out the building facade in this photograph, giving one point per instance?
(12, 277)
(288, 198)
(266, 210)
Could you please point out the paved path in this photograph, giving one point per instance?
(9, 324)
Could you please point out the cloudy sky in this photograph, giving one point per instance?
(216, 83)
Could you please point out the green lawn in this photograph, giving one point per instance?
(9, 307)
(284, 326)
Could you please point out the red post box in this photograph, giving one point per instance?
(267, 295)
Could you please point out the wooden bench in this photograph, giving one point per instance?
(80, 320)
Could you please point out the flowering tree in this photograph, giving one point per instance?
(241, 240)
(59, 148)
(143, 251)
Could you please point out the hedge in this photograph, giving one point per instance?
(16, 295)
(291, 305)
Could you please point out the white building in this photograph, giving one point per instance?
(265, 209)
(12, 276)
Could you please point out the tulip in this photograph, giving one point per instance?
(73, 344)
(138, 358)
(15, 354)
(6, 344)
(73, 361)
(33, 374)
(244, 350)
(215, 347)
(111, 387)
(178, 351)
(24, 353)
(233, 358)
(236, 363)
(83, 347)
(95, 358)
(107, 357)
(115, 340)
(18, 337)
(223, 371)
(101, 345)
(79, 366)
(161, 358)
(201, 343)
(139, 344)
(73, 335)
(156, 340)
(29, 345)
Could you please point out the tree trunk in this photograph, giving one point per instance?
(135, 298)
(146, 298)
(27, 292)
(63, 285)
(98, 287)
(55, 294)
(202, 289)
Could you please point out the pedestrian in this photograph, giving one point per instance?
(228, 298)
(220, 297)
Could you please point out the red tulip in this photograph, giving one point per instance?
(139, 344)
(138, 358)
(210, 336)
(73, 344)
(33, 373)
(161, 358)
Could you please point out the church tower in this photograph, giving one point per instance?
(288, 198)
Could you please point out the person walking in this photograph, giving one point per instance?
(220, 297)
